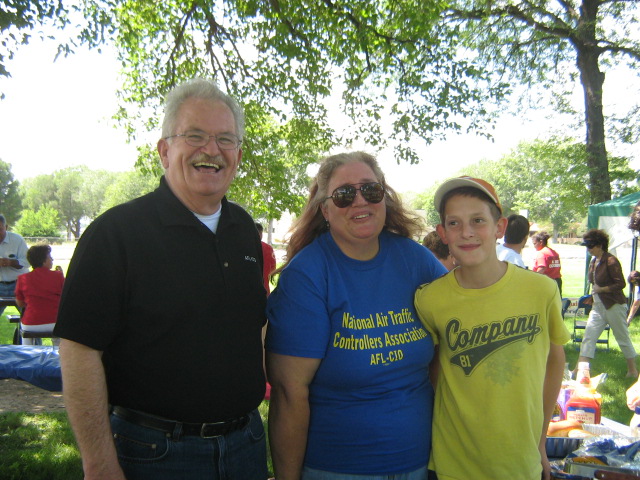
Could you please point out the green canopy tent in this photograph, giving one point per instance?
(612, 216)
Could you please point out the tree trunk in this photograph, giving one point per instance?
(592, 80)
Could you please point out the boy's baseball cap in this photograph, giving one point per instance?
(465, 181)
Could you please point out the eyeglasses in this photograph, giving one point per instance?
(590, 245)
(344, 196)
(226, 141)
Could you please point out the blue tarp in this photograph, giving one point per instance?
(37, 365)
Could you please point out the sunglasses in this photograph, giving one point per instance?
(372, 192)
(590, 245)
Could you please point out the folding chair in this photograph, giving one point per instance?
(581, 325)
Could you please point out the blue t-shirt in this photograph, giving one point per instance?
(371, 399)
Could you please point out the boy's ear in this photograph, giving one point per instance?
(440, 232)
(502, 227)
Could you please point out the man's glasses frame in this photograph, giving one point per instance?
(344, 195)
(196, 138)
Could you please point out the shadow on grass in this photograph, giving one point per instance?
(38, 447)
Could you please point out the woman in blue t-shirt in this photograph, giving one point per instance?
(347, 357)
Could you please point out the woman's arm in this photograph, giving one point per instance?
(289, 411)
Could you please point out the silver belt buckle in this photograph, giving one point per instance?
(206, 425)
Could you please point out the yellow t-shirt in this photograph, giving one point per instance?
(493, 348)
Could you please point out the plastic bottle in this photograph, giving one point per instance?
(583, 377)
(634, 425)
(583, 405)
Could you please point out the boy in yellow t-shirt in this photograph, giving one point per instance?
(499, 335)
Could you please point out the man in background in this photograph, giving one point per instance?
(515, 238)
(13, 260)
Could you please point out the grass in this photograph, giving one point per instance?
(38, 447)
(41, 447)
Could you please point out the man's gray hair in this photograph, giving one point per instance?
(2, 219)
(198, 88)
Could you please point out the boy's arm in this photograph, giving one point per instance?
(552, 384)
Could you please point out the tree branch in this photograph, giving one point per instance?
(517, 14)
(568, 7)
(294, 31)
(614, 48)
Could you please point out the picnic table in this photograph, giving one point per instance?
(40, 366)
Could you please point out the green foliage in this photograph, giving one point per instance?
(548, 178)
(76, 193)
(283, 60)
(44, 222)
(398, 71)
(19, 19)
(38, 447)
(10, 200)
(95, 184)
(127, 186)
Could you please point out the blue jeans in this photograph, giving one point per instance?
(148, 454)
(7, 291)
(312, 474)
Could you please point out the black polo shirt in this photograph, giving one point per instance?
(176, 309)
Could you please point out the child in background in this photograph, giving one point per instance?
(499, 335)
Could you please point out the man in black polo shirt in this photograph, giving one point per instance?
(162, 311)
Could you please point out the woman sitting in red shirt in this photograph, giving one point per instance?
(38, 292)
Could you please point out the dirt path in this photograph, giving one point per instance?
(20, 396)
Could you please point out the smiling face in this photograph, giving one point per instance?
(355, 228)
(470, 231)
(200, 176)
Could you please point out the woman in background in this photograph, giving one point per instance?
(547, 260)
(609, 302)
(38, 293)
(434, 243)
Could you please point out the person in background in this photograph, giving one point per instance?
(434, 243)
(609, 302)
(634, 284)
(633, 396)
(162, 312)
(515, 238)
(500, 353)
(38, 293)
(268, 258)
(346, 357)
(547, 260)
(13, 260)
(634, 218)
